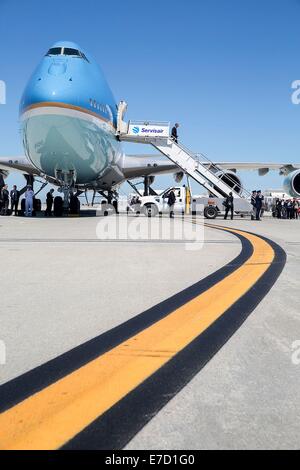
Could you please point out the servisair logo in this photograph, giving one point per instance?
(148, 130)
(152, 131)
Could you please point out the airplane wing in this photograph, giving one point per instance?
(17, 164)
(262, 168)
(144, 165)
(136, 166)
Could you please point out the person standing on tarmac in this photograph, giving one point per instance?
(289, 209)
(29, 201)
(5, 200)
(296, 208)
(278, 208)
(174, 133)
(253, 204)
(14, 199)
(293, 209)
(171, 202)
(49, 203)
(228, 203)
(259, 203)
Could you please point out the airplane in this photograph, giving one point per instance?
(69, 120)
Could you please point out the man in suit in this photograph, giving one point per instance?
(259, 203)
(49, 203)
(228, 203)
(5, 200)
(14, 199)
(171, 202)
(253, 204)
(174, 132)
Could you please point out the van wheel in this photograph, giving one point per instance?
(150, 210)
(210, 212)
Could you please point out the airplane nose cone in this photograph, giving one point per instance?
(51, 82)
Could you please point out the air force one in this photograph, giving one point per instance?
(69, 121)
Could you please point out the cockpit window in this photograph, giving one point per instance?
(54, 51)
(66, 51)
(69, 51)
(84, 56)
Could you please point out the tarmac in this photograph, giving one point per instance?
(62, 286)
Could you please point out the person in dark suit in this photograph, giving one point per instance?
(289, 209)
(171, 202)
(229, 206)
(253, 204)
(295, 208)
(49, 203)
(174, 132)
(5, 200)
(259, 203)
(278, 208)
(14, 199)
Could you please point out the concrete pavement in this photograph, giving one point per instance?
(248, 395)
(61, 286)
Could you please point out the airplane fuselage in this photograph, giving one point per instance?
(68, 116)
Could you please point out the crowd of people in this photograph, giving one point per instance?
(12, 204)
(281, 208)
(9, 201)
(286, 209)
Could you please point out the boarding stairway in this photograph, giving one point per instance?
(204, 172)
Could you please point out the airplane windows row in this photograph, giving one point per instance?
(100, 107)
(66, 51)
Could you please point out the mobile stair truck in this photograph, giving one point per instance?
(204, 172)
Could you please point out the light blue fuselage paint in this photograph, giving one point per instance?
(68, 116)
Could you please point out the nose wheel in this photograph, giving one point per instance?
(67, 181)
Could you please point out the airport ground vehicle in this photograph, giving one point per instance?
(186, 203)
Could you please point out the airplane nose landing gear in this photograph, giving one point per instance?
(67, 181)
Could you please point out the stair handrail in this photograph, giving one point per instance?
(196, 156)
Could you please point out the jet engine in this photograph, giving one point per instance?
(231, 179)
(291, 184)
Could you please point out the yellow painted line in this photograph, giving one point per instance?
(51, 417)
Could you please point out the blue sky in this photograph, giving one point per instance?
(222, 68)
